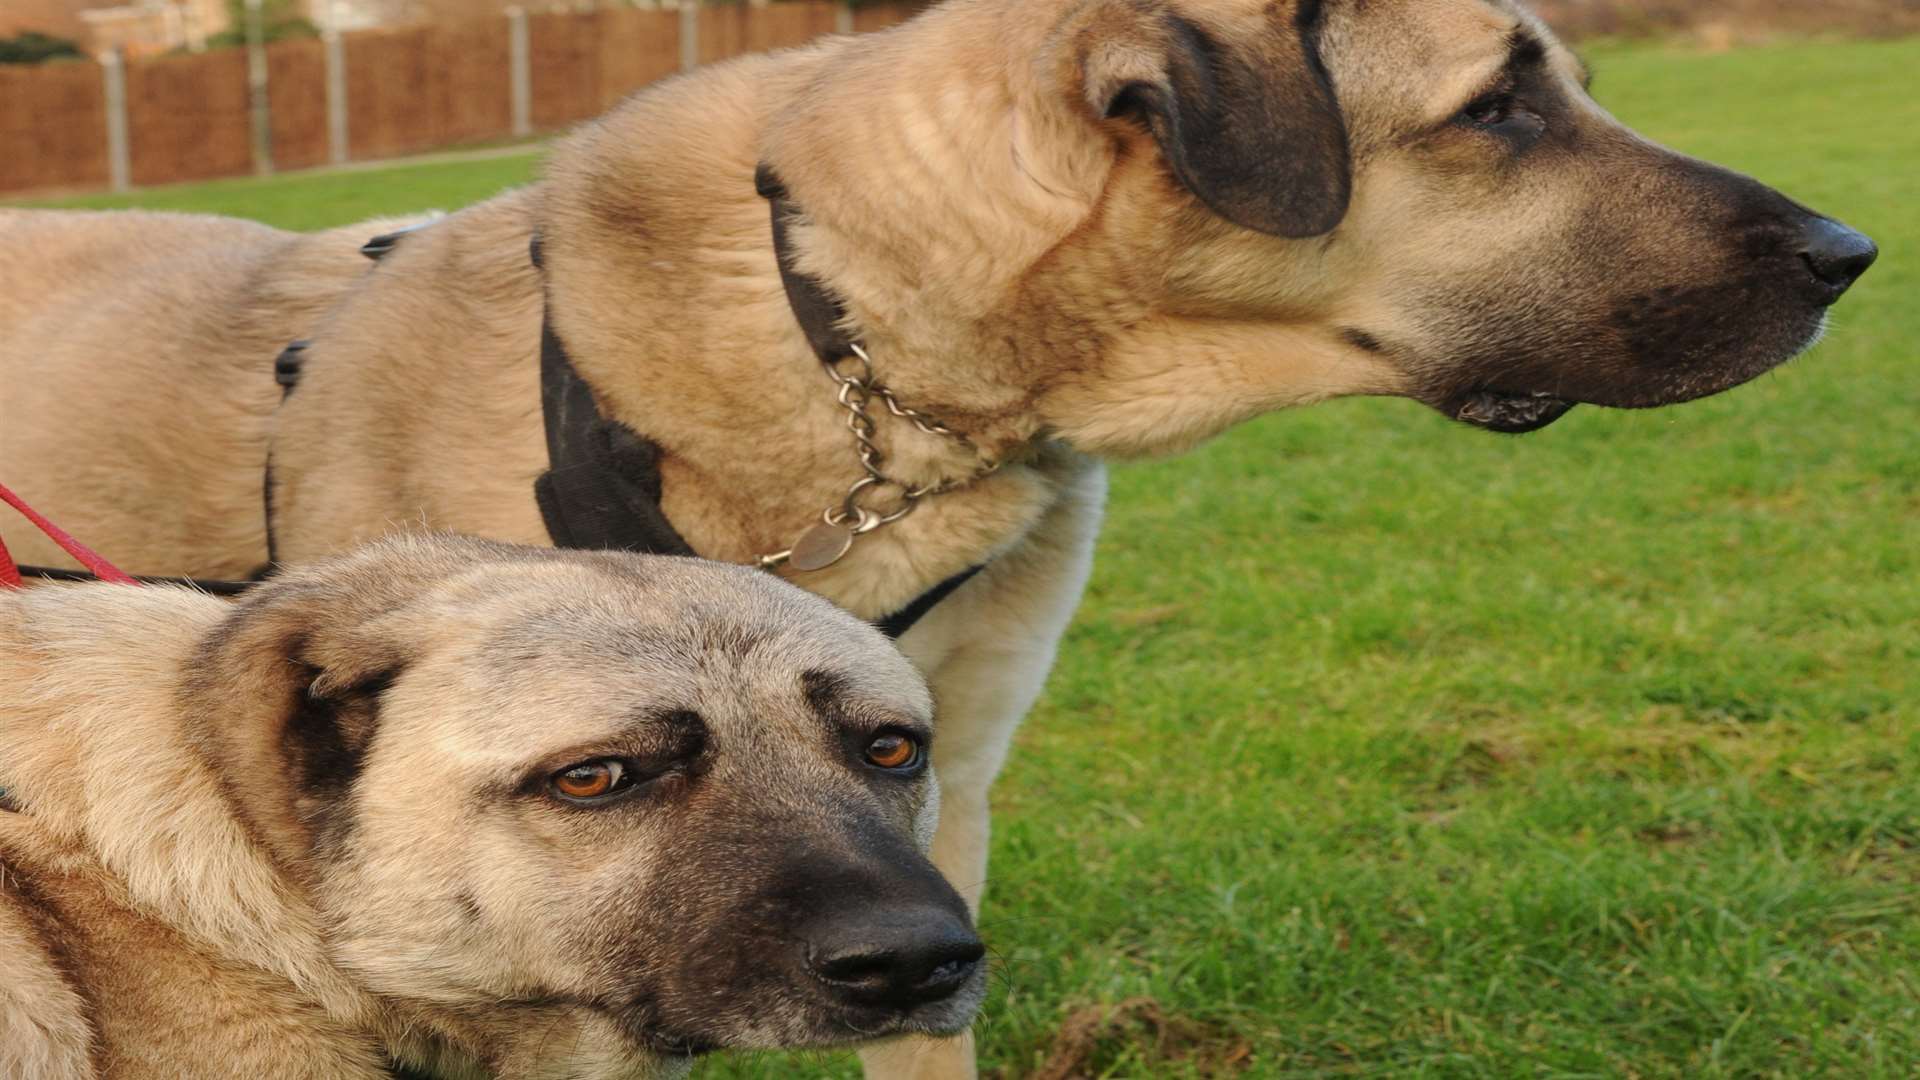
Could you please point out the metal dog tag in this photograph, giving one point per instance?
(820, 547)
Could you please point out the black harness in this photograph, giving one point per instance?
(602, 489)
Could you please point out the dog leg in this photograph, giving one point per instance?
(920, 1059)
(986, 652)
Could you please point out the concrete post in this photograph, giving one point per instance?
(339, 149)
(260, 112)
(113, 72)
(520, 72)
(689, 34)
(843, 18)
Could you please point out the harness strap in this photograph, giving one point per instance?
(601, 490)
(902, 621)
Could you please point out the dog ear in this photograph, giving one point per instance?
(324, 742)
(284, 696)
(1251, 128)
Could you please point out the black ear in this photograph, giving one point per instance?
(282, 700)
(324, 742)
(1251, 127)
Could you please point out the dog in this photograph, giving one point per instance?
(463, 806)
(1060, 232)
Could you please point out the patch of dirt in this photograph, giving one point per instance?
(1480, 762)
(1671, 833)
(1089, 1034)
(1153, 616)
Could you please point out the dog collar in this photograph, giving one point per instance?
(602, 487)
(821, 317)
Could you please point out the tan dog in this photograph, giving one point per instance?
(468, 807)
(1065, 229)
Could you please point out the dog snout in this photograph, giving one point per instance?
(897, 960)
(1836, 256)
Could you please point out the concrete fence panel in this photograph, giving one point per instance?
(636, 48)
(297, 96)
(879, 17)
(187, 117)
(469, 95)
(53, 126)
(733, 29)
(387, 90)
(564, 50)
(423, 88)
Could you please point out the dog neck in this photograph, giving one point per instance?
(667, 292)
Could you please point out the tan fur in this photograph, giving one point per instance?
(1037, 274)
(216, 296)
(177, 900)
(43, 1020)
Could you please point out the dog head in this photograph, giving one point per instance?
(1169, 216)
(1421, 194)
(675, 802)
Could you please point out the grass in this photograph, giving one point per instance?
(1387, 748)
(322, 199)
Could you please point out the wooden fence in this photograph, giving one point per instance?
(369, 94)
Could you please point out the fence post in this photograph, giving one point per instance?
(519, 72)
(260, 113)
(339, 151)
(113, 72)
(689, 34)
(843, 18)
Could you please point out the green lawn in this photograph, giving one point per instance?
(319, 200)
(1383, 747)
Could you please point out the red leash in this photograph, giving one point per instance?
(99, 567)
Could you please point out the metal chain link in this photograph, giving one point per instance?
(856, 393)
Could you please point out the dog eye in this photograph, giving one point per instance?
(1501, 114)
(593, 781)
(1490, 111)
(895, 752)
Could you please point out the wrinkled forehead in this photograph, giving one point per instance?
(1400, 64)
(569, 670)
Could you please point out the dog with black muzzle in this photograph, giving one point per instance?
(1062, 231)
(457, 805)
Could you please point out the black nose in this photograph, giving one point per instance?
(898, 959)
(1836, 255)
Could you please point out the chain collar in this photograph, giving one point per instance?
(827, 542)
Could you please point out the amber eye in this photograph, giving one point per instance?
(591, 780)
(893, 751)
